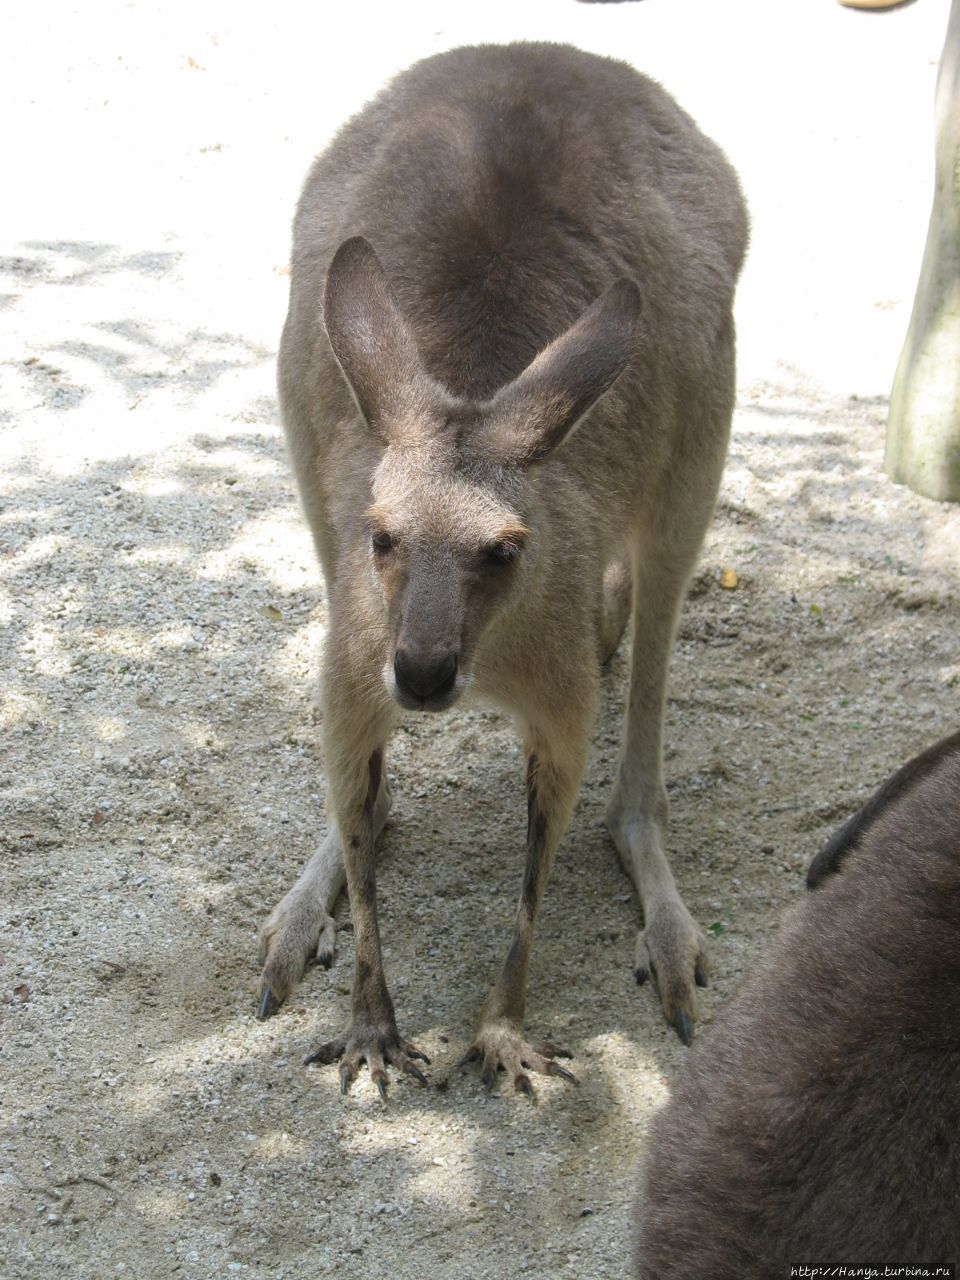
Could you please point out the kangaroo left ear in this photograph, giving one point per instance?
(370, 337)
(541, 407)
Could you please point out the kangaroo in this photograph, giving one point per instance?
(850, 835)
(507, 380)
(817, 1123)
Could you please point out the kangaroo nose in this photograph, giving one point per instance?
(424, 678)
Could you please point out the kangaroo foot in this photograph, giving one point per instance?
(672, 950)
(297, 931)
(499, 1046)
(378, 1047)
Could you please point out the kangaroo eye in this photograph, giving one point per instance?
(381, 542)
(501, 553)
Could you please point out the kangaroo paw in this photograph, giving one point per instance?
(378, 1047)
(297, 931)
(500, 1046)
(671, 950)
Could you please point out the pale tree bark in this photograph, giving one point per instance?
(923, 429)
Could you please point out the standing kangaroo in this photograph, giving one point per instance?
(507, 378)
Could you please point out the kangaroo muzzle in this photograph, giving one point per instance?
(425, 682)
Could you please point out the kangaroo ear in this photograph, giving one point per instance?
(535, 412)
(369, 336)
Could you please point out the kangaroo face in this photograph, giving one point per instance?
(446, 551)
(449, 541)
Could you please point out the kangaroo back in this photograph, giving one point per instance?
(504, 188)
(842, 842)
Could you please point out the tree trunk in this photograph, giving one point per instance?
(923, 429)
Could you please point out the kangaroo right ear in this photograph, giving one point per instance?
(369, 336)
(530, 416)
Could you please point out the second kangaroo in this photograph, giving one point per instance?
(507, 379)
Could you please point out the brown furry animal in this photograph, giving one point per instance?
(817, 1122)
(854, 829)
(507, 379)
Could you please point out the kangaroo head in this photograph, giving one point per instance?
(452, 527)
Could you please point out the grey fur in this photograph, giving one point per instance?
(843, 841)
(816, 1123)
(525, 256)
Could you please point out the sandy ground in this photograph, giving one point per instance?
(160, 616)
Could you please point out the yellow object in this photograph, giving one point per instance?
(871, 4)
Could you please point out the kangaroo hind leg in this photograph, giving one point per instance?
(671, 948)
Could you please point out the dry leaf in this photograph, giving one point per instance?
(729, 579)
(272, 612)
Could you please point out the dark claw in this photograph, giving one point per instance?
(683, 1026)
(381, 1088)
(522, 1085)
(418, 1056)
(472, 1055)
(699, 976)
(489, 1079)
(555, 1069)
(269, 1004)
(324, 959)
(641, 976)
(346, 1077)
(417, 1074)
